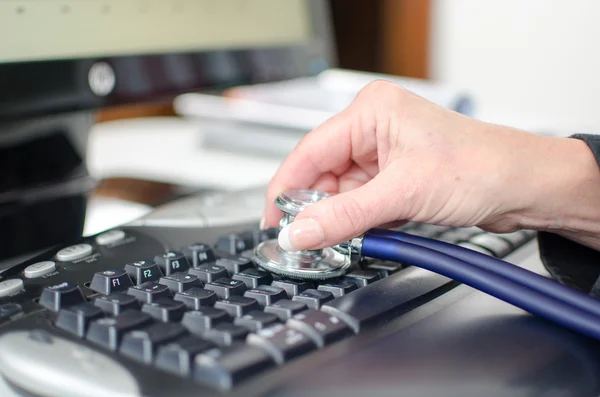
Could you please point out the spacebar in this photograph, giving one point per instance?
(388, 298)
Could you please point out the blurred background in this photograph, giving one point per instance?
(529, 64)
(532, 65)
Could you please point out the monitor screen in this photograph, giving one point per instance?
(68, 29)
(68, 55)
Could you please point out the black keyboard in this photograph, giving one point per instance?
(159, 311)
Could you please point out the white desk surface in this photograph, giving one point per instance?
(170, 150)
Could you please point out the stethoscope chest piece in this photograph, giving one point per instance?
(311, 265)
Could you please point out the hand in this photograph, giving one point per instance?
(393, 156)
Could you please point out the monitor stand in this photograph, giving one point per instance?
(44, 183)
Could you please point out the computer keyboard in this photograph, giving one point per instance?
(177, 311)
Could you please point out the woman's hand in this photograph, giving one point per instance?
(393, 156)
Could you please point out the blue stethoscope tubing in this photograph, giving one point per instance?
(517, 286)
(501, 268)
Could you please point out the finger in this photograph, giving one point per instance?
(325, 149)
(353, 178)
(328, 182)
(342, 217)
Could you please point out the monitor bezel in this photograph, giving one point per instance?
(38, 88)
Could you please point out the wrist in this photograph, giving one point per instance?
(564, 188)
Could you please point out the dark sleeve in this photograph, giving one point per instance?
(568, 262)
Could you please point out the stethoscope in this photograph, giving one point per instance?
(520, 287)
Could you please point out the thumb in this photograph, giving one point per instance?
(339, 218)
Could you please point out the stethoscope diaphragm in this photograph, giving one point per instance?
(310, 265)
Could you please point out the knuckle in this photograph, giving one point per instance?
(382, 87)
(349, 214)
(383, 96)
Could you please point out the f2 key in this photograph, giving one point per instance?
(143, 271)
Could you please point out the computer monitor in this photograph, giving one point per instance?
(67, 55)
(61, 60)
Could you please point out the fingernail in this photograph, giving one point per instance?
(301, 235)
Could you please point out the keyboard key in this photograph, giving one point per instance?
(172, 262)
(515, 238)
(339, 287)
(117, 303)
(313, 298)
(39, 269)
(281, 342)
(108, 332)
(195, 298)
(226, 287)
(499, 247)
(9, 309)
(226, 368)
(141, 344)
(177, 357)
(235, 265)
(60, 296)
(384, 268)
(388, 298)
(455, 236)
(199, 254)
(109, 281)
(247, 254)
(11, 286)
(363, 277)
(235, 243)
(237, 306)
(179, 282)
(209, 272)
(224, 334)
(165, 310)
(149, 292)
(267, 234)
(266, 295)
(429, 231)
(475, 247)
(255, 320)
(254, 277)
(292, 287)
(200, 321)
(143, 271)
(258, 236)
(76, 319)
(406, 226)
(321, 327)
(285, 308)
(110, 237)
(74, 252)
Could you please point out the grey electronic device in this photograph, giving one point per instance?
(218, 325)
